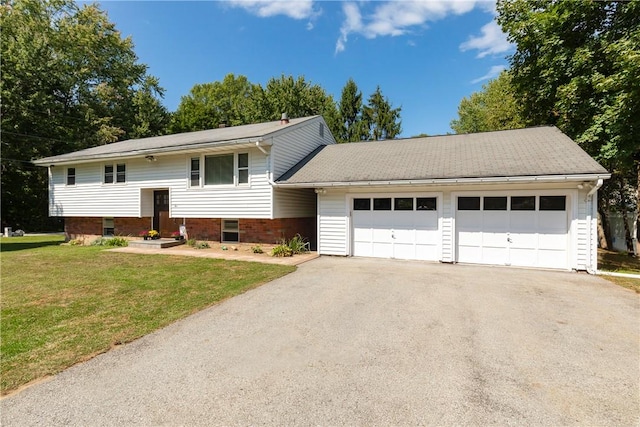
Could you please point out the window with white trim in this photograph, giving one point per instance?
(224, 169)
(115, 173)
(195, 171)
(71, 176)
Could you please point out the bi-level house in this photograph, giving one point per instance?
(525, 197)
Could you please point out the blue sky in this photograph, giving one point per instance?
(425, 55)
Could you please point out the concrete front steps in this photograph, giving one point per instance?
(156, 244)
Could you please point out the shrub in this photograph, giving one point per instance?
(282, 250)
(100, 241)
(298, 244)
(117, 241)
(256, 249)
(192, 242)
(76, 242)
(202, 245)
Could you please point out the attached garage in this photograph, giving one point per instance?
(396, 226)
(518, 230)
(525, 197)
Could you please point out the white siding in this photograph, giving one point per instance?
(447, 229)
(294, 145)
(134, 198)
(582, 232)
(226, 201)
(333, 224)
(294, 203)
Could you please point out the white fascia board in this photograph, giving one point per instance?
(198, 147)
(453, 181)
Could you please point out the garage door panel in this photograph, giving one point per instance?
(362, 249)
(404, 251)
(520, 237)
(382, 250)
(427, 252)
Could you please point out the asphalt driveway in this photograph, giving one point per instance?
(371, 342)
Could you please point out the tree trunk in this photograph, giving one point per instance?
(604, 232)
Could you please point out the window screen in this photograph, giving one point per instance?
(195, 171)
(243, 168)
(121, 173)
(108, 174)
(218, 169)
(71, 176)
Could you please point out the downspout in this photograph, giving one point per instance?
(593, 228)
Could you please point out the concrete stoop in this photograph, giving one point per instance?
(155, 244)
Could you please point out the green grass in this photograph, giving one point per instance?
(64, 304)
(618, 262)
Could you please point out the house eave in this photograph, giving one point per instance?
(451, 181)
(193, 148)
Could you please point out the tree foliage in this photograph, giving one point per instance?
(495, 107)
(352, 126)
(576, 66)
(69, 81)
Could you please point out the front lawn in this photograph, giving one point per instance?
(618, 262)
(64, 304)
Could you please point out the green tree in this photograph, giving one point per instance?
(69, 81)
(209, 105)
(296, 97)
(352, 127)
(382, 121)
(150, 117)
(495, 107)
(576, 66)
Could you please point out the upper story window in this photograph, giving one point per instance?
(221, 169)
(71, 176)
(117, 173)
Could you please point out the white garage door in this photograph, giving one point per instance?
(527, 231)
(401, 227)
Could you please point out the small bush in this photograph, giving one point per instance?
(256, 249)
(117, 241)
(282, 250)
(202, 245)
(192, 242)
(100, 241)
(76, 242)
(298, 244)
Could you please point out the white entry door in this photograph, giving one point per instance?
(531, 231)
(404, 227)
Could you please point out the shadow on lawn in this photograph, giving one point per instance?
(7, 245)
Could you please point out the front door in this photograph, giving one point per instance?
(161, 220)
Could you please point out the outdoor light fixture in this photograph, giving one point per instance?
(150, 158)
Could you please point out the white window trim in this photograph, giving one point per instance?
(236, 170)
(75, 177)
(115, 173)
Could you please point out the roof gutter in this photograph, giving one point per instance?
(48, 161)
(452, 181)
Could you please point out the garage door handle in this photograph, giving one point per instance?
(509, 240)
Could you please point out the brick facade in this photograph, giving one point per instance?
(251, 230)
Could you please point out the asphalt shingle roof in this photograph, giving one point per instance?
(510, 153)
(174, 142)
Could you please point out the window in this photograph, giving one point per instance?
(552, 203)
(523, 203)
(120, 173)
(195, 172)
(108, 174)
(321, 130)
(495, 203)
(230, 230)
(468, 203)
(226, 169)
(426, 204)
(71, 176)
(382, 204)
(107, 227)
(243, 168)
(403, 204)
(361, 204)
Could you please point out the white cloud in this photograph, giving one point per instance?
(298, 9)
(493, 72)
(492, 41)
(395, 18)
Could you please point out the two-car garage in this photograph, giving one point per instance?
(519, 229)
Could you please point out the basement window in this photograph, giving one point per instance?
(107, 227)
(230, 230)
